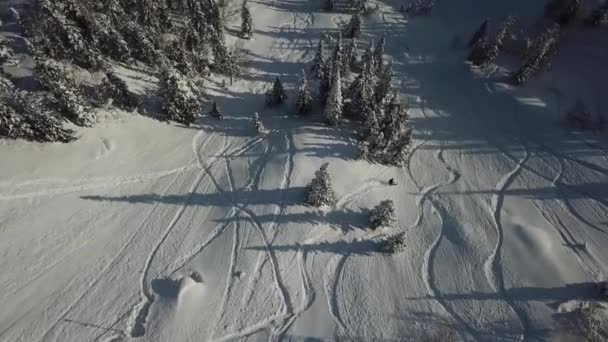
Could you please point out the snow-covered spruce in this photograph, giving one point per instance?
(276, 95)
(379, 53)
(318, 62)
(393, 244)
(353, 27)
(329, 5)
(65, 93)
(320, 192)
(361, 92)
(351, 55)
(563, 12)
(23, 117)
(541, 56)
(246, 21)
(480, 33)
(116, 89)
(598, 16)
(304, 99)
(216, 111)
(179, 102)
(335, 103)
(6, 51)
(383, 88)
(485, 50)
(257, 123)
(383, 215)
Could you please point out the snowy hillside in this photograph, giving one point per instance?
(151, 231)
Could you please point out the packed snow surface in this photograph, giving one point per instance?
(142, 230)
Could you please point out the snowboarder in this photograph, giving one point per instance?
(392, 181)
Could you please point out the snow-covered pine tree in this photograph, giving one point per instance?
(246, 21)
(384, 83)
(179, 102)
(496, 44)
(368, 55)
(362, 92)
(379, 53)
(276, 95)
(398, 147)
(22, 117)
(352, 54)
(329, 5)
(304, 100)
(598, 16)
(481, 33)
(541, 57)
(383, 215)
(65, 93)
(394, 243)
(257, 123)
(6, 51)
(353, 28)
(116, 89)
(320, 192)
(337, 55)
(318, 63)
(216, 111)
(563, 12)
(335, 103)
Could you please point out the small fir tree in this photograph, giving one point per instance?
(116, 89)
(379, 53)
(216, 111)
(541, 57)
(353, 28)
(320, 192)
(318, 63)
(276, 95)
(481, 33)
(383, 215)
(246, 21)
(304, 100)
(179, 102)
(335, 103)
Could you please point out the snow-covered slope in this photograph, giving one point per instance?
(200, 234)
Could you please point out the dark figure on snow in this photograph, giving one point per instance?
(392, 181)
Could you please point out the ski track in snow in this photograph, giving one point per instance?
(140, 311)
(493, 264)
(109, 265)
(331, 285)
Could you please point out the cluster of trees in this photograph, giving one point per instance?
(319, 192)
(177, 37)
(537, 52)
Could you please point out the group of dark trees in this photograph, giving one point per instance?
(536, 52)
(178, 38)
(319, 193)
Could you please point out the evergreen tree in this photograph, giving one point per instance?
(351, 55)
(246, 22)
(179, 103)
(335, 103)
(368, 55)
(598, 17)
(257, 123)
(362, 92)
(276, 95)
(116, 89)
(67, 98)
(563, 12)
(540, 59)
(304, 100)
(325, 82)
(496, 45)
(481, 33)
(379, 53)
(384, 84)
(216, 111)
(329, 5)
(320, 192)
(318, 63)
(383, 215)
(23, 117)
(353, 28)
